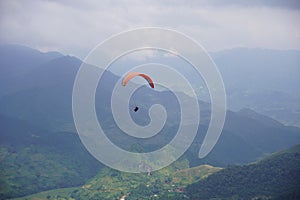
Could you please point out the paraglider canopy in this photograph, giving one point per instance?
(131, 75)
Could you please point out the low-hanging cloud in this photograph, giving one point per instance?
(74, 27)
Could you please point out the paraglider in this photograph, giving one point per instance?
(131, 75)
(136, 109)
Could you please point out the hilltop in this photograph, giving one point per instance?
(275, 177)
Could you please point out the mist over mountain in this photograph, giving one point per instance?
(264, 80)
(16, 61)
(43, 98)
(37, 91)
(118, 100)
(270, 69)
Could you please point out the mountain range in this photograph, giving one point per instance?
(264, 80)
(40, 149)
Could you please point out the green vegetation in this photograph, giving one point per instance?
(37, 87)
(32, 160)
(275, 177)
(51, 194)
(167, 183)
(30, 169)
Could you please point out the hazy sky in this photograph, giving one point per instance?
(74, 27)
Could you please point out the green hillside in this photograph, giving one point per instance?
(39, 151)
(274, 177)
(32, 160)
(110, 184)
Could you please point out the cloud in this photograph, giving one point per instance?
(75, 27)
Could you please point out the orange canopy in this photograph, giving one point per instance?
(131, 75)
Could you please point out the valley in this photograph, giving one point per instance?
(42, 157)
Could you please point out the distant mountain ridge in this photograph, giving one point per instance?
(44, 99)
(247, 68)
(41, 98)
(17, 60)
(264, 80)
